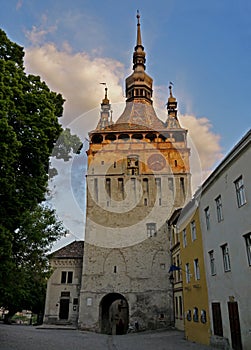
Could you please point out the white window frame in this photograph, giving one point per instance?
(248, 247)
(240, 192)
(219, 208)
(196, 269)
(151, 229)
(207, 217)
(193, 230)
(188, 275)
(226, 258)
(212, 263)
(184, 237)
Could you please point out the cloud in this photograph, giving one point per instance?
(37, 34)
(205, 140)
(76, 76)
(205, 145)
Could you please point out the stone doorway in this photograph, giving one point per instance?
(114, 314)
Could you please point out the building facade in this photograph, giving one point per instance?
(225, 209)
(195, 292)
(63, 286)
(175, 271)
(138, 174)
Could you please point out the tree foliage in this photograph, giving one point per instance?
(30, 127)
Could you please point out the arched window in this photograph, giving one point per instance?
(97, 138)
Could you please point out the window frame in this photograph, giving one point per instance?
(247, 238)
(184, 237)
(193, 230)
(226, 257)
(207, 217)
(151, 229)
(188, 274)
(66, 277)
(240, 191)
(219, 208)
(212, 262)
(196, 269)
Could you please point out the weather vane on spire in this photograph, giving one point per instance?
(138, 16)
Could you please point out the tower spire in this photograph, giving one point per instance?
(139, 84)
(139, 41)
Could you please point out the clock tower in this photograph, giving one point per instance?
(138, 174)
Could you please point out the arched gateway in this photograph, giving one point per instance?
(113, 314)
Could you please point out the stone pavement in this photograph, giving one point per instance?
(18, 337)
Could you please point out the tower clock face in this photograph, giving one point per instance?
(156, 162)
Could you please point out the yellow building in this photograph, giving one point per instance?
(176, 272)
(195, 295)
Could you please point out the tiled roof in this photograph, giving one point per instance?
(143, 114)
(72, 250)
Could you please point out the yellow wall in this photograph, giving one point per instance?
(195, 292)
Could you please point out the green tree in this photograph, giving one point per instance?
(30, 127)
(66, 145)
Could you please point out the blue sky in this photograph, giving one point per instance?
(203, 47)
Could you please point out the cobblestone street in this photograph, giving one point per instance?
(16, 337)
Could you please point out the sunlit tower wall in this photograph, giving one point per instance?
(138, 174)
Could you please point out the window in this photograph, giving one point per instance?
(226, 258)
(195, 314)
(212, 262)
(96, 189)
(170, 184)
(66, 276)
(176, 307)
(121, 187)
(184, 234)
(219, 211)
(193, 230)
(162, 266)
(188, 275)
(179, 271)
(181, 307)
(145, 187)
(203, 316)
(240, 191)
(158, 189)
(151, 229)
(248, 247)
(207, 217)
(189, 315)
(133, 182)
(133, 165)
(108, 189)
(196, 269)
(182, 185)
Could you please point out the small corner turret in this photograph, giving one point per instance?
(172, 120)
(106, 112)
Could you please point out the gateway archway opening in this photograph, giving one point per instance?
(114, 314)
